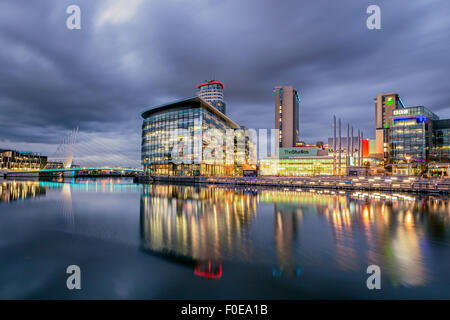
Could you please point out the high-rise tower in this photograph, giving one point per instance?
(212, 92)
(385, 103)
(286, 115)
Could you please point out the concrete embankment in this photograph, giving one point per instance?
(385, 183)
(35, 175)
(21, 174)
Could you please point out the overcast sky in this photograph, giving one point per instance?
(133, 54)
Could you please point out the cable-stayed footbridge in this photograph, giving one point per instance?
(95, 158)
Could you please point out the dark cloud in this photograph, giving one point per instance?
(133, 54)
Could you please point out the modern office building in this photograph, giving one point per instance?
(212, 92)
(21, 160)
(385, 104)
(190, 137)
(411, 134)
(299, 161)
(440, 150)
(287, 115)
(419, 142)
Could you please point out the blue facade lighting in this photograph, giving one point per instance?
(419, 119)
(297, 97)
(281, 94)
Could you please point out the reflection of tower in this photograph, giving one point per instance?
(66, 206)
(198, 227)
(405, 260)
(285, 234)
(341, 222)
(389, 228)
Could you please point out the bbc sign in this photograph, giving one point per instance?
(400, 112)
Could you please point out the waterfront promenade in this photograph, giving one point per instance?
(369, 183)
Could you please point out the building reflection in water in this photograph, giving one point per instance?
(282, 228)
(285, 234)
(197, 226)
(202, 226)
(60, 191)
(15, 191)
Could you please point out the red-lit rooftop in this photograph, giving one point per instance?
(210, 83)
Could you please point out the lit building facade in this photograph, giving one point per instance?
(192, 138)
(20, 160)
(440, 150)
(287, 103)
(295, 167)
(299, 161)
(411, 135)
(385, 104)
(212, 92)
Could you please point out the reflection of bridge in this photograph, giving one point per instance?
(123, 170)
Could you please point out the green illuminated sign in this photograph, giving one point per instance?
(287, 153)
(389, 101)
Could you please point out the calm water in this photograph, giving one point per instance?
(177, 242)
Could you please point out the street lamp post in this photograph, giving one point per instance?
(408, 161)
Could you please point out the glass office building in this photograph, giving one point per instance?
(297, 167)
(411, 134)
(192, 138)
(440, 151)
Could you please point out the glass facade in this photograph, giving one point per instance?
(304, 166)
(409, 139)
(189, 138)
(158, 139)
(410, 134)
(417, 110)
(440, 151)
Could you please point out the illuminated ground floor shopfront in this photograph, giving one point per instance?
(171, 169)
(439, 169)
(304, 166)
(405, 169)
(413, 169)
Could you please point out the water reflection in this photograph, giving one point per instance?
(204, 226)
(14, 191)
(286, 237)
(61, 191)
(198, 226)
(23, 190)
(285, 232)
